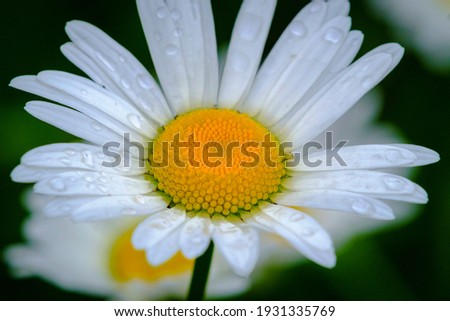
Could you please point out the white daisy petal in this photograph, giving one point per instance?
(336, 200)
(82, 156)
(291, 43)
(157, 227)
(238, 243)
(98, 97)
(368, 157)
(337, 97)
(72, 122)
(181, 38)
(32, 85)
(337, 8)
(117, 66)
(91, 183)
(112, 206)
(371, 183)
(245, 51)
(299, 229)
(30, 174)
(195, 236)
(164, 250)
(303, 71)
(65, 205)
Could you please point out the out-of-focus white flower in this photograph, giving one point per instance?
(423, 24)
(99, 259)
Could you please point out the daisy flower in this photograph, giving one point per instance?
(103, 262)
(305, 84)
(422, 24)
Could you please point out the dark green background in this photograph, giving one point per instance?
(407, 263)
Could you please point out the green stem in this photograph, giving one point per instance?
(200, 275)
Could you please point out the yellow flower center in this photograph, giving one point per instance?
(127, 263)
(216, 160)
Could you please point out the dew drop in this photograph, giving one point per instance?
(159, 224)
(83, 92)
(333, 35)
(102, 188)
(139, 199)
(135, 120)
(393, 155)
(87, 158)
(145, 81)
(91, 186)
(161, 12)
(122, 59)
(298, 29)
(57, 184)
(171, 50)
(296, 217)
(103, 180)
(252, 27)
(125, 83)
(175, 14)
(96, 126)
(393, 183)
(178, 32)
(65, 160)
(70, 152)
(89, 178)
(361, 207)
(368, 83)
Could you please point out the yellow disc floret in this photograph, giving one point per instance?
(216, 160)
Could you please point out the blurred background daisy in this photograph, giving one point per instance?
(407, 259)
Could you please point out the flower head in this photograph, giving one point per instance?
(224, 157)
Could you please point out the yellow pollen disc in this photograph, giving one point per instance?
(216, 160)
(127, 263)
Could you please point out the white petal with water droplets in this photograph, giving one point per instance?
(99, 98)
(335, 200)
(245, 50)
(92, 183)
(375, 184)
(113, 206)
(30, 174)
(337, 97)
(291, 43)
(299, 229)
(238, 243)
(195, 236)
(367, 157)
(303, 71)
(82, 156)
(157, 227)
(33, 85)
(119, 67)
(72, 122)
(182, 42)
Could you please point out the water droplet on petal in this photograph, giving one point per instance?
(161, 12)
(65, 160)
(102, 188)
(298, 29)
(145, 81)
(393, 155)
(135, 120)
(178, 32)
(161, 224)
(171, 50)
(83, 92)
(89, 178)
(368, 83)
(125, 83)
(139, 199)
(96, 126)
(70, 152)
(57, 184)
(87, 158)
(296, 217)
(333, 35)
(252, 27)
(361, 207)
(393, 183)
(175, 14)
(122, 59)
